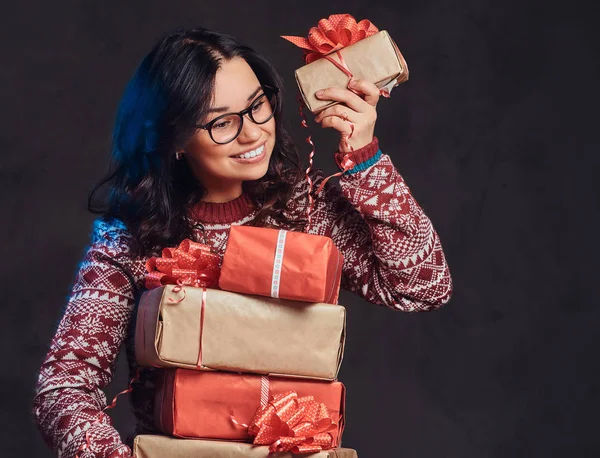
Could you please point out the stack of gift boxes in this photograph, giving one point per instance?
(249, 352)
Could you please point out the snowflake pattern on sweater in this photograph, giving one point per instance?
(392, 257)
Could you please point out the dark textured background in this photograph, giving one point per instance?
(496, 133)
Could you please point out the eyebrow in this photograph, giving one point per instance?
(225, 109)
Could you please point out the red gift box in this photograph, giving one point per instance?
(284, 264)
(221, 405)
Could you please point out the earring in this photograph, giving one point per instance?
(178, 155)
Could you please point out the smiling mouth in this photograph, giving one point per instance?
(252, 154)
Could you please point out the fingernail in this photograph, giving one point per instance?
(319, 93)
(352, 82)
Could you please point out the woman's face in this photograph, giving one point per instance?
(218, 167)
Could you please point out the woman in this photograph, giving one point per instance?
(199, 146)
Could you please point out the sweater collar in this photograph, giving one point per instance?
(223, 212)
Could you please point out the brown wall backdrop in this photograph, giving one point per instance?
(496, 134)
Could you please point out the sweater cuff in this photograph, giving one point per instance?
(364, 157)
(366, 164)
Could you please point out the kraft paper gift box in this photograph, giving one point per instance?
(376, 59)
(204, 405)
(240, 333)
(284, 264)
(154, 446)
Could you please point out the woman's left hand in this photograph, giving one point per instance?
(353, 110)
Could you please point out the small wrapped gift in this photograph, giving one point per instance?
(153, 446)
(284, 264)
(286, 414)
(338, 49)
(209, 329)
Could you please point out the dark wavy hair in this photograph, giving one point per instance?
(170, 92)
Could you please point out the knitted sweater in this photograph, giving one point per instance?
(392, 257)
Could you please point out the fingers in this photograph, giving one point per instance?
(369, 90)
(353, 116)
(341, 111)
(337, 123)
(366, 96)
(344, 96)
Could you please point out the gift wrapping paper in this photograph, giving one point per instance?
(285, 264)
(376, 59)
(227, 331)
(213, 405)
(154, 446)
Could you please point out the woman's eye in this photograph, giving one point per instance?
(257, 106)
(221, 125)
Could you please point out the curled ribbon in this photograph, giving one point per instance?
(191, 263)
(288, 423)
(332, 34)
(344, 161)
(102, 415)
(310, 199)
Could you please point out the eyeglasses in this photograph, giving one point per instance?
(227, 127)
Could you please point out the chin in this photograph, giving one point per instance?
(257, 174)
(257, 171)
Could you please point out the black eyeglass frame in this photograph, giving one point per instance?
(248, 111)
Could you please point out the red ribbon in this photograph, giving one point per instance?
(344, 161)
(289, 423)
(191, 263)
(332, 34)
(311, 200)
(88, 443)
(202, 308)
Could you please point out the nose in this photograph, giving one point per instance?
(250, 131)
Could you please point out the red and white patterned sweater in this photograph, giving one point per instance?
(393, 257)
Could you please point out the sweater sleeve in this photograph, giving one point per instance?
(392, 254)
(83, 352)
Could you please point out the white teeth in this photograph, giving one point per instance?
(253, 153)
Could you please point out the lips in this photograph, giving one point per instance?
(252, 160)
(250, 150)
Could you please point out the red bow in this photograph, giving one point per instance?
(191, 263)
(292, 424)
(333, 34)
